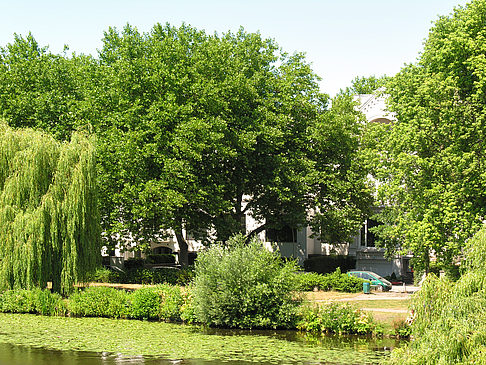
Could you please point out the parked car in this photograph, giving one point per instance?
(374, 278)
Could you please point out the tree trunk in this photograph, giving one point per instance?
(183, 248)
(256, 231)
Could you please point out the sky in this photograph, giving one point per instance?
(342, 39)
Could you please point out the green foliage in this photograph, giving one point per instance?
(161, 259)
(145, 304)
(35, 301)
(336, 281)
(167, 275)
(104, 275)
(99, 302)
(308, 281)
(366, 85)
(134, 264)
(191, 127)
(335, 318)
(161, 302)
(188, 313)
(49, 221)
(430, 162)
(329, 264)
(450, 317)
(244, 286)
(402, 329)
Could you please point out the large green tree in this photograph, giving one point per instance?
(431, 161)
(49, 222)
(216, 127)
(195, 131)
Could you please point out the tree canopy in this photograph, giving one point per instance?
(49, 221)
(431, 161)
(194, 131)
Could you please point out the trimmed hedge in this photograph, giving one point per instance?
(308, 281)
(329, 264)
(173, 276)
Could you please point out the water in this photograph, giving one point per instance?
(348, 350)
(28, 339)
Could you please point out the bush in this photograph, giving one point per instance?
(160, 302)
(145, 304)
(188, 313)
(402, 328)
(134, 264)
(161, 259)
(104, 275)
(342, 282)
(308, 281)
(335, 281)
(244, 286)
(36, 301)
(335, 318)
(99, 302)
(166, 275)
(329, 264)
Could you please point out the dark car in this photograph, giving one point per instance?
(374, 278)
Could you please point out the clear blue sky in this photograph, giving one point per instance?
(341, 38)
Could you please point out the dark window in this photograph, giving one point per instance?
(370, 236)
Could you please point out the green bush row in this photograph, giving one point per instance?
(308, 281)
(145, 276)
(172, 303)
(163, 302)
(336, 318)
(35, 301)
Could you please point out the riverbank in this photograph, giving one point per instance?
(176, 341)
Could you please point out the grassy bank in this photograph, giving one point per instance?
(175, 341)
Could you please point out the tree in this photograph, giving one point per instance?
(431, 161)
(49, 221)
(218, 127)
(366, 85)
(39, 89)
(194, 131)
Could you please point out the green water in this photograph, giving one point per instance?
(29, 339)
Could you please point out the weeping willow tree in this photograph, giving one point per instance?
(49, 221)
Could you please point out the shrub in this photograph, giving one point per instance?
(308, 281)
(329, 264)
(134, 264)
(342, 282)
(188, 313)
(335, 318)
(36, 301)
(335, 281)
(173, 276)
(17, 301)
(161, 302)
(161, 259)
(99, 302)
(244, 286)
(145, 304)
(104, 275)
(402, 328)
